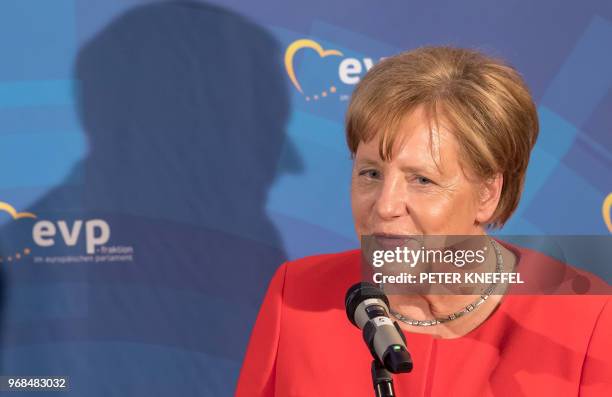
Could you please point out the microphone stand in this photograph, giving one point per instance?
(382, 380)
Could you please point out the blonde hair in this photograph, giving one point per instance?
(483, 101)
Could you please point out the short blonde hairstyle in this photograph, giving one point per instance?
(483, 101)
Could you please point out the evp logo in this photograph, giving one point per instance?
(97, 233)
(45, 233)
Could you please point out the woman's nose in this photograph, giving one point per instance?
(391, 201)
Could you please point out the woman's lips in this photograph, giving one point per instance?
(391, 241)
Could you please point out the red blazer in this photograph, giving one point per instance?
(303, 344)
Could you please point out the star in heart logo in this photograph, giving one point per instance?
(299, 45)
(15, 215)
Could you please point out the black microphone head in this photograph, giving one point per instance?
(357, 294)
(397, 360)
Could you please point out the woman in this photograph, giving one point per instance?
(441, 139)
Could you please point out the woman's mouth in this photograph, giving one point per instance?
(389, 241)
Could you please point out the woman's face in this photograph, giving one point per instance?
(415, 194)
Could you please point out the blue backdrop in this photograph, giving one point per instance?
(160, 160)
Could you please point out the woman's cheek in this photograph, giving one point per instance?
(360, 207)
(450, 216)
(433, 214)
(363, 210)
(363, 194)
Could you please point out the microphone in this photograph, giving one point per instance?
(367, 307)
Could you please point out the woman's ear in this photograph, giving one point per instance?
(489, 195)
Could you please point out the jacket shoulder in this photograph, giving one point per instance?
(324, 264)
(321, 278)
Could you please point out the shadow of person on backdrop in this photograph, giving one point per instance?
(184, 106)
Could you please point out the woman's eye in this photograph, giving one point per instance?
(421, 180)
(374, 174)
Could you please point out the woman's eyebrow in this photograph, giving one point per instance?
(367, 161)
